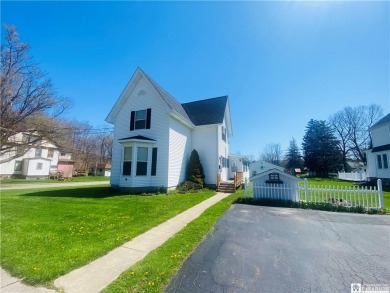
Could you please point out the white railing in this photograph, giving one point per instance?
(348, 196)
(354, 176)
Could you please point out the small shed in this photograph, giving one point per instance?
(103, 170)
(275, 184)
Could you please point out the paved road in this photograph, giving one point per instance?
(266, 249)
(48, 185)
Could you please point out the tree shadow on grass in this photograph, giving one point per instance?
(80, 192)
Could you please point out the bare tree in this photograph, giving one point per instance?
(272, 153)
(26, 97)
(351, 126)
(105, 141)
(343, 130)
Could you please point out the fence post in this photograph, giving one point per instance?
(306, 190)
(246, 188)
(380, 193)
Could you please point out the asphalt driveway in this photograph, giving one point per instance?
(266, 249)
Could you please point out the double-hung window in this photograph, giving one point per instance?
(385, 162)
(140, 119)
(142, 161)
(38, 152)
(39, 166)
(50, 153)
(18, 165)
(127, 154)
(379, 157)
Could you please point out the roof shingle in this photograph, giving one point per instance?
(168, 98)
(384, 120)
(204, 112)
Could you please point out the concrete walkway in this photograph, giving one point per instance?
(10, 284)
(98, 274)
(48, 185)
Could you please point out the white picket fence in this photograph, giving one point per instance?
(353, 176)
(348, 196)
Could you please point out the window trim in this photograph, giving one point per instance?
(50, 153)
(129, 162)
(379, 161)
(36, 153)
(20, 164)
(137, 172)
(385, 162)
(274, 178)
(39, 166)
(134, 120)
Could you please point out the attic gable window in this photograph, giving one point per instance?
(140, 119)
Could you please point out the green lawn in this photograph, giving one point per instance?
(48, 232)
(154, 272)
(37, 181)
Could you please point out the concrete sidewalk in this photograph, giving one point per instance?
(10, 284)
(98, 274)
(48, 185)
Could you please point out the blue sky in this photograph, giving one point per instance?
(282, 63)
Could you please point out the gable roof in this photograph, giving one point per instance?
(204, 112)
(274, 170)
(167, 97)
(384, 120)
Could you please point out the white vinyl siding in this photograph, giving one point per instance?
(159, 131)
(179, 151)
(8, 168)
(205, 141)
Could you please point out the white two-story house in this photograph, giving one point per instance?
(37, 162)
(378, 157)
(154, 135)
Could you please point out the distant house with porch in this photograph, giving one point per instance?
(37, 162)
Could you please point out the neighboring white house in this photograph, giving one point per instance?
(154, 135)
(261, 167)
(378, 156)
(239, 163)
(37, 162)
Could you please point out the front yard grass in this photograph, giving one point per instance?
(153, 273)
(38, 181)
(46, 233)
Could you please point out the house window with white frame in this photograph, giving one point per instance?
(38, 152)
(50, 153)
(127, 155)
(39, 166)
(140, 119)
(385, 162)
(142, 161)
(18, 165)
(379, 158)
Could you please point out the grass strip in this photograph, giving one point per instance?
(154, 272)
(40, 181)
(45, 233)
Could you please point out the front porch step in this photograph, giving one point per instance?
(226, 187)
